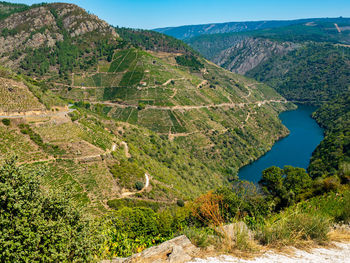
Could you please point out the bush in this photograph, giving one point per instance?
(234, 236)
(285, 186)
(199, 236)
(139, 185)
(180, 203)
(127, 202)
(37, 226)
(141, 106)
(133, 229)
(6, 122)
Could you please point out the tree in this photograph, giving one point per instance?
(285, 186)
(6, 122)
(38, 226)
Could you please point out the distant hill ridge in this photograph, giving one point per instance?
(189, 31)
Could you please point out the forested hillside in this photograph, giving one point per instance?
(315, 72)
(190, 31)
(306, 62)
(332, 157)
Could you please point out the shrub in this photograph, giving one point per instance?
(141, 106)
(207, 209)
(37, 226)
(127, 202)
(139, 185)
(199, 236)
(180, 203)
(6, 122)
(133, 229)
(234, 236)
(285, 186)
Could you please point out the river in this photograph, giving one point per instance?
(295, 149)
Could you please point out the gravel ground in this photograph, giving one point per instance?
(340, 254)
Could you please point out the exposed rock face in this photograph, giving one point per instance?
(40, 26)
(177, 250)
(248, 53)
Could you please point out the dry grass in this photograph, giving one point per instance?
(339, 235)
(295, 229)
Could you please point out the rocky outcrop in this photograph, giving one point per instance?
(177, 250)
(248, 53)
(42, 26)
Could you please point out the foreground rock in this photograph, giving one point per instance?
(177, 250)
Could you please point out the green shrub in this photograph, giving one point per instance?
(38, 226)
(127, 202)
(285, 186)
(133, 229)
(200, 237)
(141, 106)
(127, 173)
(139, 185)
(6, 122)
(180, 203)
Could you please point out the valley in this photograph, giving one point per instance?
(118, 142)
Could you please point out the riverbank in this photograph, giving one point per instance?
(295, 149)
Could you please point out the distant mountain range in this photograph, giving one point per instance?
(304, 60)
(189, 31)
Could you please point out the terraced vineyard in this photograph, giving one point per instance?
(158, 109)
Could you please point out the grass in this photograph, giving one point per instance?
(127, 202)
(294, 228)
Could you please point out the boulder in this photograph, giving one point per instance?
(177, 250)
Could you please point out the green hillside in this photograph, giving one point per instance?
(313, 73)
(192, 31)
(332, 157)
(145, 103)
(307, 62)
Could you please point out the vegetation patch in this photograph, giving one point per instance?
(128, 173)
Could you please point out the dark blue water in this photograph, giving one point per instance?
(295, 150)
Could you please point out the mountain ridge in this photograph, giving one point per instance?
(190, 31)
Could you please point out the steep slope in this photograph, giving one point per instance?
(250, 53)
(294, 60)
(313, 73)
(53, 39)
(332, 157)
(145, 103)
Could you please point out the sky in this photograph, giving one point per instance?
(149, 14)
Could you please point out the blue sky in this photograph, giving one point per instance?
(150, 14)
